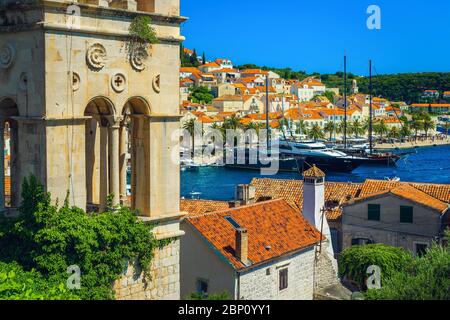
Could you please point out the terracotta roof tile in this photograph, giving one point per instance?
(271, 223)
(336, 193)
(202, 206)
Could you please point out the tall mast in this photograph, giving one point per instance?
(370, 108)
(345, 102)
(267, 112)
(299, 117)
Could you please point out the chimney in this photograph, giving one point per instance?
(246, 194)
(242, 245)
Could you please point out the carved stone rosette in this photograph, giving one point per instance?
(96, 56)
(137, 58)
(7, 55)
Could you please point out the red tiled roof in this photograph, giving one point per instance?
(407, 191)
(195, 207)
(271, 223)
(292, 192)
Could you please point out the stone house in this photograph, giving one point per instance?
(223, 89)
(402, 215)
(262, 251)
(338, 195)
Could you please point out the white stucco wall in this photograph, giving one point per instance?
(198, 261)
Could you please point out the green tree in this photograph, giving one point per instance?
(447, 127)
(357, 128)
(330, 128)
(315, 132)
(233, 122)
(49, 239)
(200, 94)
(428, 124)
(194, 128)
(405, 130)
(416, 125)
(17, 284)
(354, 261)
(302, 127)
(424, 278)
(394, 132)
(381, 128)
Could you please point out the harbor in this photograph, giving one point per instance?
(426, 164)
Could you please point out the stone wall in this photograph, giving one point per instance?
(261, 284)
(165, 278)
(389, 230)
(326, 273)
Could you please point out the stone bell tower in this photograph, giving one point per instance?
(90, 116)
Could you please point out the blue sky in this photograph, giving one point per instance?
(314, 35)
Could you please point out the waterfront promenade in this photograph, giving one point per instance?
(413, 144)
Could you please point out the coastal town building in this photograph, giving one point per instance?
(259, 248)
(407, 215)
(430, 107)
(263, 251)
(430, 94)
(70, 92)
(235, 103)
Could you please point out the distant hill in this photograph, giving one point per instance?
(406, 87)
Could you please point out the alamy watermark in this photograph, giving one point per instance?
(374, 19)
(74, 280)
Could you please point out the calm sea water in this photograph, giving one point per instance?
(430, 164)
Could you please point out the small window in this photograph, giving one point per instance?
(202, 286)
(283, 279)
(373, 212)
(420, 249)
(406, 214)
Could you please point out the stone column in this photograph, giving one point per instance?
(114, 184)
(103, 166)
(14, 162)
(2, 164)
(123, 164)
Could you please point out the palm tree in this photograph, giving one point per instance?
(341, 126)
(427, 125)
(193, 128)
(394, 132)
(232, 122)
(405, 131)
(254, 126)
(447, 127)
(357, 128)
(302, 127)
(330, 128)
(416, 125)
(315, 132)
(381, 128)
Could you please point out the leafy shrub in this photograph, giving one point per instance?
(427, 279)
(140, 30)
(354, 261)
(49, 239)
(16, 284)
